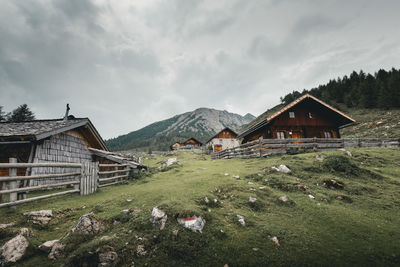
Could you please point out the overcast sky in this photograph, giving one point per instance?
(125, 64)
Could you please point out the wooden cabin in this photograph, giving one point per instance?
(306, 117)
(226, 138)
(191, 143)
(42, 141)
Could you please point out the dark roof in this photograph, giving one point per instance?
(294, 103)
(40, 129)
(226, 128)
(193, 139)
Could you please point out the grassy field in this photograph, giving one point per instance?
(357, 225)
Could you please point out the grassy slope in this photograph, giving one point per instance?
(363, 231)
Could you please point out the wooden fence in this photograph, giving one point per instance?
(86, 180)
(265, 147)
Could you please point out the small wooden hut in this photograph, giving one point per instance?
(191, 143)
(69, 140)
(306, 117)
(226, 138)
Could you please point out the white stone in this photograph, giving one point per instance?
(281, 168)
(6, 225)
(13, 250)
(252, 199)
(241, 219)
(284, 198)
(40, 217)
(171, 161)
(311, 196)
(275, 240)
(158, 218)
(48, 245)
(194, 223)
(88, 224)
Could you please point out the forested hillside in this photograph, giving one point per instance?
(368, 98)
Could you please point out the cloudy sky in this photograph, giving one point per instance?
(125, 64)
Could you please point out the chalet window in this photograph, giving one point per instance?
(291, 114)
(310, 115)
(327, 134)
(280, 135)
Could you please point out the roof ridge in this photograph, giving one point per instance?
(44, 120)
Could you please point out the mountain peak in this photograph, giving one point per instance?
(201, 123)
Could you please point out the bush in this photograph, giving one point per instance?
(340, 163)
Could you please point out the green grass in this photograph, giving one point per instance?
(362, 229)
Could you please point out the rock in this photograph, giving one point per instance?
(241, 219)
(250, 183)
(25, 232)
(128, 200)
(261, 187)
(6, 225)
(281, 168)
(107, 257)
(57, 251)
(171, 161)
(48, 245)
(226, 174)
(193, 223)
(140, 251)
(13, 250)
(158, 218)
(284, 198)
(333, 184)
(311, 196)
(255, 249)
(175, 233)
(252, 199)
(236, 176)
(125, 211)
(260, 174)
(275, 240)
(319, 157)
(40, 217)
(106, 238)
(88, 225)
(302, 187)
(206, 200)
(348, 153)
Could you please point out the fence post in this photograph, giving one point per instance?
(260, 145)
(96, 176)
(83, 179)
(13, 184)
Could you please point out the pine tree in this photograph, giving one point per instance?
(2, 114)
(22, 113)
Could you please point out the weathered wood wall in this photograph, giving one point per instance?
(59, 148)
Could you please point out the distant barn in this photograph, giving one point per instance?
(73, 140)
(226, 138)
(187, 144)
(306, 117)
(191, 143)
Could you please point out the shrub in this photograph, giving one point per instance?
(340, 163)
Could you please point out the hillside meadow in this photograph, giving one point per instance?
(353, 222)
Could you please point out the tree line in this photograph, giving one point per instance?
(359, 90)
(21, 113)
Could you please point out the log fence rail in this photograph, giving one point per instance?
(265, 147)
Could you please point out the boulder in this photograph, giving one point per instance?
(6, 225)
(140, 251)
(171, 161)
(311, 196)
(48, 245)
(40, 217)
(158, 218)
(88, 225)
(281, 168)
(25, 232)
(57, 251)
(13, 250)
(241, 219)
(107, 257)
(193, 223)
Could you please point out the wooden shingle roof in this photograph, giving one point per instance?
(41, 129)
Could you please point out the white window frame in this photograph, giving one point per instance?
(280, 135)
(310, 115)
(291, 115)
